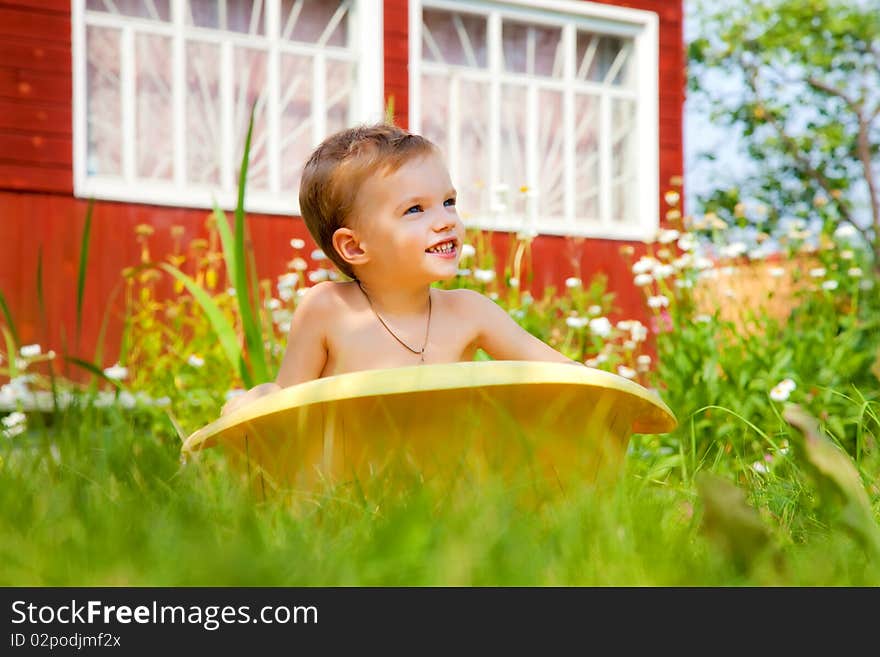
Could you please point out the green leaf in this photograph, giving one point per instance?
(228, 242)
(729, 521)
(94, 369)
(11, 348)
(222, 328)
(252, 328)
(83, 265)
(9, 322)
(41, 300)
(835, 470)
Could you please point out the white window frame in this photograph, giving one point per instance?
(642, 27)
(367, 39)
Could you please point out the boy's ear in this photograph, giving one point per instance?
(347, 245)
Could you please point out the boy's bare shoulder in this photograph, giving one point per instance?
(469, 300)
(320, 294)
(475, 308)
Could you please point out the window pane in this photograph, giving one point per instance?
(245, 16)
(532, 49)
(473, 164)
(250, 88)
(551, 182)
(513, 149)
(451, 38)
(586, 139)
(435, 115)
(603, 59)
(104, 104)
(315, 21)
(157, 10)
(340, 87)
(155, 121)
(296, 118)
(203, 132)
(623, 170)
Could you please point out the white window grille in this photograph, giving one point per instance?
(546, 111)
(163, 91)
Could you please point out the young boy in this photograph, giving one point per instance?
(379, 202)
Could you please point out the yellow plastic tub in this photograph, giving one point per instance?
(567, 424)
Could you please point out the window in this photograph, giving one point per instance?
(163, 91)
(546, 111)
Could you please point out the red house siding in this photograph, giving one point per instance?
(38, 213)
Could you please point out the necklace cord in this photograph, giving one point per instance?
(387, 328)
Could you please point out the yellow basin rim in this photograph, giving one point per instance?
(652, 414)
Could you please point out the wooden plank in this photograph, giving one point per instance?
(36, 149)
(35, 56)
(15, 176)
(45, 6)
(30, 24)
(35, 117)
(36, 85)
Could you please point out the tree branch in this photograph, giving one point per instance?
(795, 152)
(834, 91)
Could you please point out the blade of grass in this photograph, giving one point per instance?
(11, 350)
(9, 322)
(252, 332)
(99, 346)
(41, 301)
(222, 328)
(228, 241)
(94, 369)
(83, 264)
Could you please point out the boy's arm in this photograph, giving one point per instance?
(502, 338)
(306, 351)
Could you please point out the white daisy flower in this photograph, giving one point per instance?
(467, 251)
(116, 372)
(782, 390)
(600, 326)
(642, 280)
(576, 322)
(626, 372)
(297, 243)
(195, 361)
(30, 350)
(572, 281)
(667, 236)
(318, 275)
(484, 275)
(829, 285)
(639, 332)
(644, 265)
(14, 419)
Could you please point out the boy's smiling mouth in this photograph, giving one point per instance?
(445, 249)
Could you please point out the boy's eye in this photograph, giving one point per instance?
(449, 202)
(417, 208)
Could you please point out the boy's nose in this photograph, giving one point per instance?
(444, 220)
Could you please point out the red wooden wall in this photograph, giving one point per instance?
(38, 212)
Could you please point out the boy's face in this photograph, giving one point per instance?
(401, 215)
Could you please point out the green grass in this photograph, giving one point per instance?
(101, 498)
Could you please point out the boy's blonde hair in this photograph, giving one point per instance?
(337, 169)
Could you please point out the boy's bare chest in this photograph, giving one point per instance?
(359, 341)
